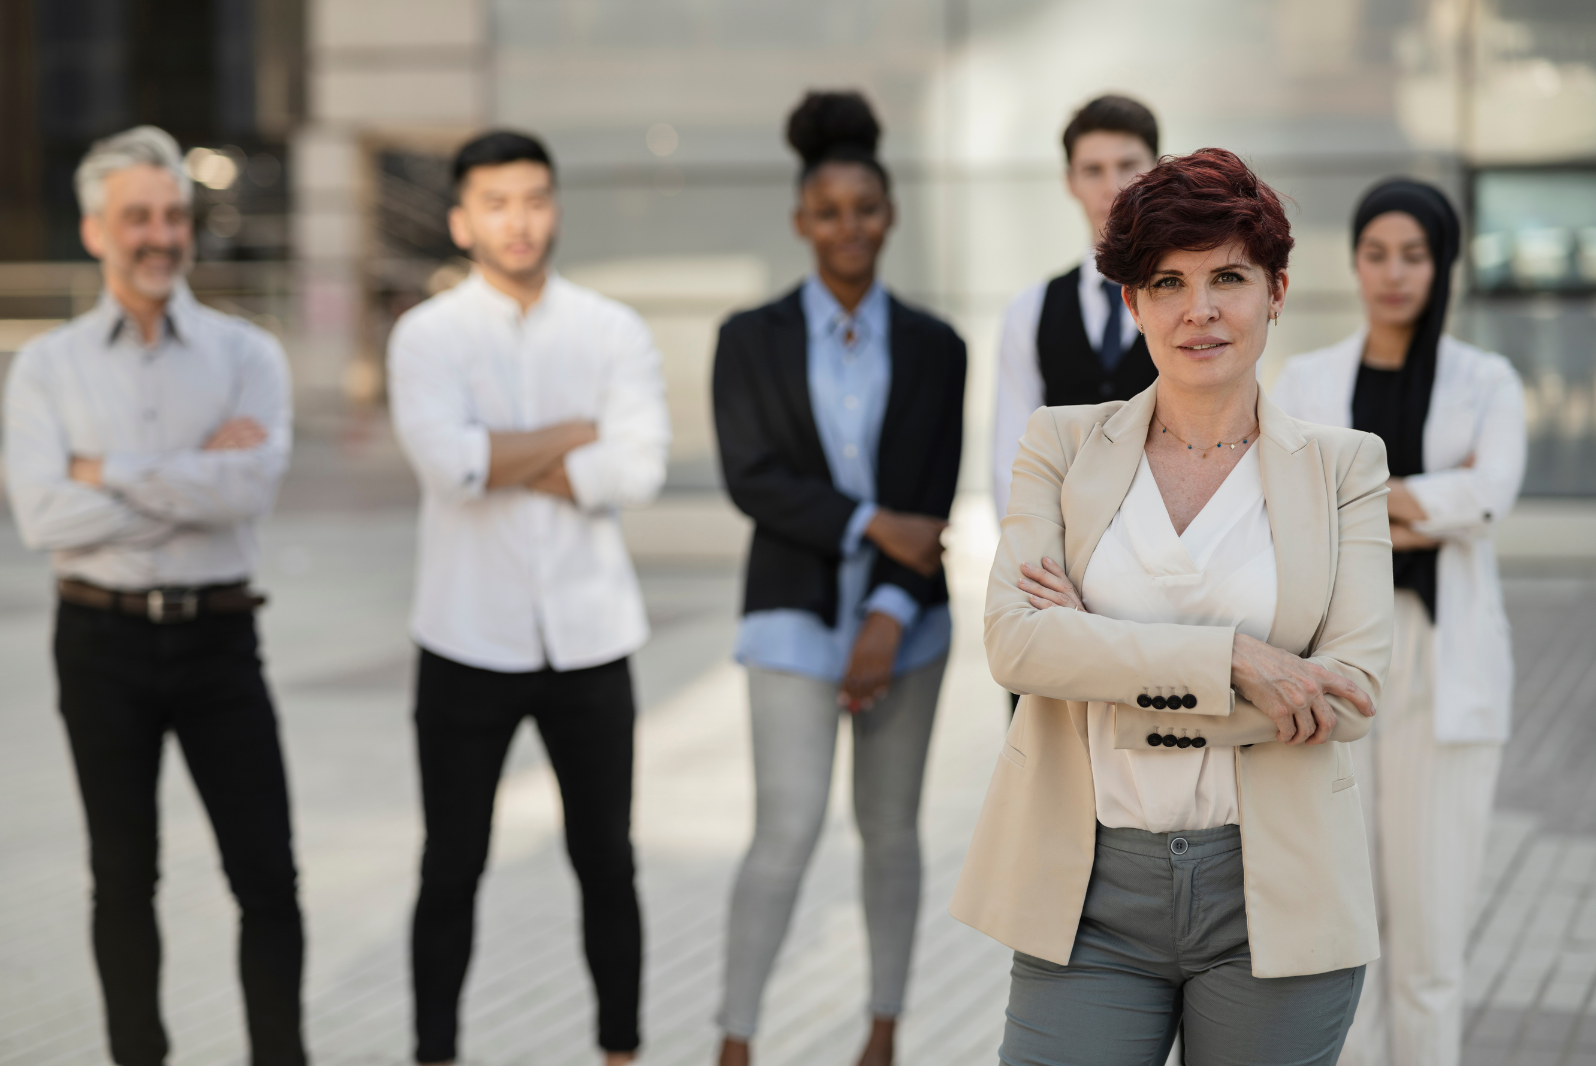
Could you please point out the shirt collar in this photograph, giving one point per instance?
(824, 314)
(1089, 272)
(175, 319)
(500, 304)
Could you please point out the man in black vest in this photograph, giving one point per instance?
(1070, 341)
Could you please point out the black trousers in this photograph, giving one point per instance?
(123, 683)
(465, 719)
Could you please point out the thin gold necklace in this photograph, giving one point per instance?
(1217, 446)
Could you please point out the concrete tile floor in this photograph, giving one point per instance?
(340, 662)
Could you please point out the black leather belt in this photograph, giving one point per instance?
(163, 605)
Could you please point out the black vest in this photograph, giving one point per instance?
(1072, 372)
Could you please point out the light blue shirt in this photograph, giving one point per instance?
(850, 374)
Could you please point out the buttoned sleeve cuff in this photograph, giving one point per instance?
(1451, 502)
(893, 601)
(858, 522)
(118, 472)
(475, 457)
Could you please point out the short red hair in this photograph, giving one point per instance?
(1199, 202)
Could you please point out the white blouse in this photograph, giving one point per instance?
(1219, 572)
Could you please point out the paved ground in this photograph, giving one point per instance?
(338, 564)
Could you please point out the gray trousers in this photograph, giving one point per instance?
(1162, 946)
(795, 737)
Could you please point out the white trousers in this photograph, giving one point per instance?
(1427, 807)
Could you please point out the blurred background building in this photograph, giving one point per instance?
(321, 129)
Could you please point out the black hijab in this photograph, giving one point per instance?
(1394, 405)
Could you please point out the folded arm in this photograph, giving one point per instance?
(53, 511)
(625, 464)
(234, 476)
(1071, 654)
(1464, 502)
(1329, 695)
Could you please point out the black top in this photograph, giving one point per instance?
(775, 466)
(1378, 407)
(1072, 372)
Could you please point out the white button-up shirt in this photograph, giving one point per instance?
(168, 512)
(512, 579)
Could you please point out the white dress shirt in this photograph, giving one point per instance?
(1474, 450)
(1020, 391)
(167, 512)
(513, 579)
(1219, 572)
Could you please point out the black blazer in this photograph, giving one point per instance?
(1072, 372)
(775, 467)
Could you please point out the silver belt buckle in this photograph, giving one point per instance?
(173, 605)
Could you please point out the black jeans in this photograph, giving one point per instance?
(124, 682)
(465, 719)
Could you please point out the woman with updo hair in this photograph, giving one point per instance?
(839, 412)
(1192, 592)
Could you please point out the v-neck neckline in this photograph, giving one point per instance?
(1163, 552)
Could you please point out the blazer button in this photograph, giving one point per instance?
(1143, 701)
(1183, 742)
(1199, 742)
(1168, 740)
(1160, 702)
(1154, 740)
(1190, 701)
(1173, 701)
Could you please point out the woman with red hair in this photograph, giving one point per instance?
(1193, 595)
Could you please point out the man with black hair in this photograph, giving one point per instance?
(532, 409)
(1070, 341)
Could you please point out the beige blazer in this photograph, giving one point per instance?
(1309, 897)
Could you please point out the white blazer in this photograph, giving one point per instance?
(1476, 409)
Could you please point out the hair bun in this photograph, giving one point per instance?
(826, 120)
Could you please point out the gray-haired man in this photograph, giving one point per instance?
(142, 442)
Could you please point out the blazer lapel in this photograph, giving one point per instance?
(789, 350)
(902, 351)
(1300, 520)
(1099, 477)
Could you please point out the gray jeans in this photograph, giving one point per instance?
(795, 737)
(1162, 946)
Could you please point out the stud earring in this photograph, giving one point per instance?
(1141, 330)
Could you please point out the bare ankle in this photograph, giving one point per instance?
(735, 1052)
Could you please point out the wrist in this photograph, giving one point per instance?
(872, 529)
(883, 621)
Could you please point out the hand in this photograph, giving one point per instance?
(239, 433)
(555, 481)
(870, 667)
(86, 470)
(912, 540)
(1406, 539)
(1047, 586)
(1400, 503)
(1290, 690)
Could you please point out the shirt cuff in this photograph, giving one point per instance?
(118, 472)
(477, 458)
(893, 601)
(584, 469)
(853, 535)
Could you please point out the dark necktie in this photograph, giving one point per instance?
(1112, 346)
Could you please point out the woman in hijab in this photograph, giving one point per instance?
(1452, 418)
